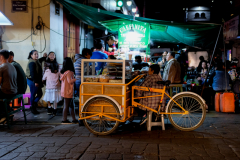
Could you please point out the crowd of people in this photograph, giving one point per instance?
(64, 83)
(61, 84)
(216, 76)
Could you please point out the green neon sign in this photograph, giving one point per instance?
(134, 35)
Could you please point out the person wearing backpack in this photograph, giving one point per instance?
(218, 81)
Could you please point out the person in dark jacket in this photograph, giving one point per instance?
(86, 54)
(138, 64)
(8, 76)
(199, 68)
(21, 76)
(8, 82)
(34, 76)
(172, 70)
(211, 68)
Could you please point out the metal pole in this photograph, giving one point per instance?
(144, 8)
(211, 60)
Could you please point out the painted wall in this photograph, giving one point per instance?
(22, 29)
(56, 39)
(82, 36)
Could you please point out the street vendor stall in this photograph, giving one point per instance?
(133, 37)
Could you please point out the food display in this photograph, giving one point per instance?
(113, 71)
(91, 79)
(115, 81)
(104, 79)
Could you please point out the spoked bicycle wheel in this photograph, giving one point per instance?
(196, 112)
(101, 125)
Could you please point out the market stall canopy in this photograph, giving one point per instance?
(201, 35)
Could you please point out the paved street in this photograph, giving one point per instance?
(218, 138)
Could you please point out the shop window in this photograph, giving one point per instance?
(196, 15)
(203, 15)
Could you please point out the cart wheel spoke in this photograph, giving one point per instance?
(196, 112)
(101, 125)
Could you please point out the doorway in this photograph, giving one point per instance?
(71, 35)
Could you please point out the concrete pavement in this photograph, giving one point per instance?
(218, 138)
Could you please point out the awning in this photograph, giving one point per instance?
(193, 34)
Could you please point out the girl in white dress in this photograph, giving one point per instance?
(53, 88)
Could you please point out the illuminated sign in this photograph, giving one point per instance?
(134, 35)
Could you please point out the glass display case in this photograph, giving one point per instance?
(106, 71)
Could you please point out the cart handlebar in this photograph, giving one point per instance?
(137, 78)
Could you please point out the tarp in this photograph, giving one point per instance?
(202, 35)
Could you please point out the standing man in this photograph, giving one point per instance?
(172, 70)
(86, 54)
(162, 60)
(98, 54)
(21, 76)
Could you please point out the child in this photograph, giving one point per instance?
(67, 78)
(53, 92)
(51, 58)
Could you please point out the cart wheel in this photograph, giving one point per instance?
(101, 125)
(192, 104)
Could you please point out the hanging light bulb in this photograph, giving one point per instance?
(129, 3)
(106, 32)
(4, 20)
(134, 10)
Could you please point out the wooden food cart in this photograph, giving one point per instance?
(107, 100)
(110, 98)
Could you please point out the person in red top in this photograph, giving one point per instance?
(108, 53)
(110, 47)
(67, 79)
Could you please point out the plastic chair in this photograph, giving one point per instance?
(28, 95)
(177, 86)
(150, 123)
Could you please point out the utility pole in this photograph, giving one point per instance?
(144, 7)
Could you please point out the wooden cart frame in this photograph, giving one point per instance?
(122, 95)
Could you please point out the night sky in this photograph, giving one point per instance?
(172, 10)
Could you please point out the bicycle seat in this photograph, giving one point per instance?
(165, 83)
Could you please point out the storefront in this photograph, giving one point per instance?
(231, 33)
